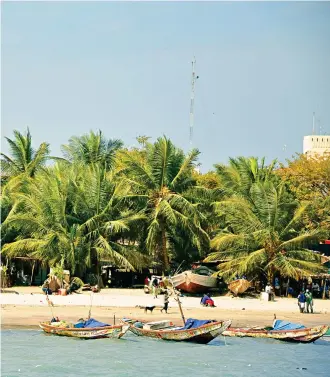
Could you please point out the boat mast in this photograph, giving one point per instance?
(192, 100)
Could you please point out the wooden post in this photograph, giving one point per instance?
(33, 266)
(179, 303)
(324, 286)
(286, 293)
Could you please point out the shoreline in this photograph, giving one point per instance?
(25, 307)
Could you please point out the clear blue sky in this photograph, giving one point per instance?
(125, 68)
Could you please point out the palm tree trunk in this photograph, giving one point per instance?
(164, 250)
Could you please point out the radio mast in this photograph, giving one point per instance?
(192, 101)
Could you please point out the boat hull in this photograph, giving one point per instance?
(202, 335)
(239, 286)
(115, 332)
(193, 283)
(306, 335)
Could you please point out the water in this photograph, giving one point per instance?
(27, 353)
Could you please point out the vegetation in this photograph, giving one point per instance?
(149, 206)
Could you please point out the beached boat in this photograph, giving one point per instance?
(281, 330)
(62, 329)
(194, 331)
(239, 286)
(191, 282)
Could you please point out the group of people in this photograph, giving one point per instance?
(305, 301)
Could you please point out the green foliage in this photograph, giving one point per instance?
(149, 206)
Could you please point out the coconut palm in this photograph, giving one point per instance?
(73, 217)
(92, 148)
(264, 234)
(159, 179)
(23, 159)
(242, 172)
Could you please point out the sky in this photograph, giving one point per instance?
(125, 68)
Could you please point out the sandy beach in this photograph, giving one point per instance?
(26, 307)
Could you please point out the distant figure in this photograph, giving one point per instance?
(45, 288)
(290, 292)
(166, 301)
(316, 289)
(236, 277)
(147, 281)
(277, 286)
(309, 301)
(207, 300)
(155, 286)
(301, 301)
(269, 290)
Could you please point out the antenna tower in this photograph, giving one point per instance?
(192, 100)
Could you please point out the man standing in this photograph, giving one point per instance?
(166, 301)
(301, 301)
(309, 300)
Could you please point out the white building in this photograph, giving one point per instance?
(316, 145)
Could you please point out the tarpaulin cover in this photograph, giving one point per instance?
(90, 323)
(285, 325)
(192, 323)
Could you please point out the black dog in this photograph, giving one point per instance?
(146, 308)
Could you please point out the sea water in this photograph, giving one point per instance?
(27, 353)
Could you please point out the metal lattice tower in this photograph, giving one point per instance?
(192, 101)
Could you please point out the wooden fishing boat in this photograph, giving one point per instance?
(239, 286)
(203, 334)
(116, 331)
(189, 282)
(303, 335)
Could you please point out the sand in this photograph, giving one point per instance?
(26, 307)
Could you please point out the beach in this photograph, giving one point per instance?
(25, 307)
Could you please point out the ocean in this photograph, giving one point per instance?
(32, 353)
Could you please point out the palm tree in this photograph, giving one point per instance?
(24, 159)
(264, 234)
(72, 216)
(159, 179)
(92, 149)
(242, 172)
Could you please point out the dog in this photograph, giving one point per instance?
(146, 308)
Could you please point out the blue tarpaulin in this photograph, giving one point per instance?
(192, 323)
(285, 325)
(90, 323)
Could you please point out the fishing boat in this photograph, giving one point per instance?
(191, 282)
(281, 330)
(99, 331)
(194, 330)
(239, 286)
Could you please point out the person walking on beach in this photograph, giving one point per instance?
(301, 301)
(309, 301)
(166, 301)
(155, 284)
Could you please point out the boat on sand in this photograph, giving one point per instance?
(99, 330)
(239, 286)
(194, 330)
(191, 282)
(281, 330)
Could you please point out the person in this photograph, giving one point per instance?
(301, 301)
(45, 288)
(166, 301)
(268, 289)
(309, 301)
(277, 286)
(155, 286)
(290, 292)
(316, 289)
(147, 281)
(207, 300)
